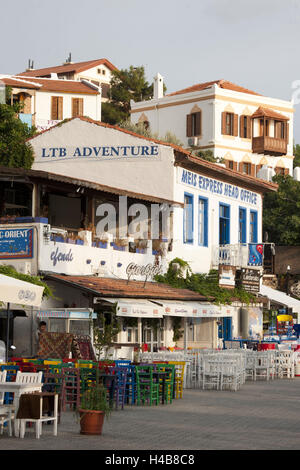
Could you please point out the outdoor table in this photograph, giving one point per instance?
(18, 389)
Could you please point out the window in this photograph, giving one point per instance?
(56, 108)
(242, 225)
(193, 124)
(230, 164)
(280, 171)
(188, 215)
(246, 168)
(245, 127)
(203, 222)
(245, 122)
(229, 124)
(253, 227)
(77, 107)
(224, 224)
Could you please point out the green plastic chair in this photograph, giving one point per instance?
(168, 391)
(147, 388)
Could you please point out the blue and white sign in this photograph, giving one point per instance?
(213, 186)
(16, 243)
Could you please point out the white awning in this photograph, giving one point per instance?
(157, 308)
(194, 309)
(19, 292)
(139, 308)
(280, 298)
(74, 314)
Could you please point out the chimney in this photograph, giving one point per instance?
(30, 66)
(158, 87)
(68, 60)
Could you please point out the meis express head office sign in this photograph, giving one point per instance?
(16, 243)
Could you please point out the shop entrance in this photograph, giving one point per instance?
(152, 333)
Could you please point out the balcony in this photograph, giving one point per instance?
(269, 145)
(239, 255)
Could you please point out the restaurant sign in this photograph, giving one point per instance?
(248, 279)
(147, 270)
(16, 243)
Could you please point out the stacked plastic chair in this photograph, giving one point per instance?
(166, 384)
(147, 389)
(179, 377)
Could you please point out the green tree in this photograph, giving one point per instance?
(141, 129)
(281, 213)
(205, 284)
(297, 155)
(14, 151)
(208, 155)
(126, 84)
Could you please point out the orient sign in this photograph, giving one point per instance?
(148, 270)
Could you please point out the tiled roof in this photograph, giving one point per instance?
(261, 112)
(221, 83)
(108, 287)
(69, 67)
(61, 86)
(18, 83)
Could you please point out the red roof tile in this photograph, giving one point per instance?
(62, 86)
(261, 112)
(221, 83)
(69, 67)
(107, 287)
(18, 83)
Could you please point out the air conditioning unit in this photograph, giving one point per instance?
(193, 141)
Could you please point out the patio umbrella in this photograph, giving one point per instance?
(18, 292)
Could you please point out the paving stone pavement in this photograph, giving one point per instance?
(260, 416)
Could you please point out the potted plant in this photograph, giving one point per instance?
(94, 407)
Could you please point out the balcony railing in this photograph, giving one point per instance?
(242, 255)
(269, 145)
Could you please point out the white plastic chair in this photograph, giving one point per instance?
(211, 374)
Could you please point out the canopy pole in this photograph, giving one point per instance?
(7, 330)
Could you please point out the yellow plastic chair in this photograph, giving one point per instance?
(179, 377)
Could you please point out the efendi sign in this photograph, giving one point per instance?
(107, 152)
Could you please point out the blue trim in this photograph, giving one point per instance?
(205, 221)
(189, 239)
(253, 227)
(226, 240)
(243, 220)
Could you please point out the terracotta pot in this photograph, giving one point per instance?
(91, 422)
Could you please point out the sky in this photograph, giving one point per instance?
(254, 44)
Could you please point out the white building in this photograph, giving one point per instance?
(48, 101)
(50, 219)
(242, 127)
(97, 71)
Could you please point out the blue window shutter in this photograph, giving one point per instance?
(203, 221)
(188, 218)
(242, 225)
(253, 226)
